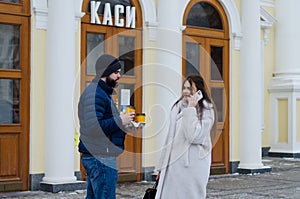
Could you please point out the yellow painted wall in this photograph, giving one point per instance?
(269, 63)
(238, 4)
(283, 120)
(234, 137)
(77, 94)
(298, 120)
(149, 97)
(37, 120)
(234, 131)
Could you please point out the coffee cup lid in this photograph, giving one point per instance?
(140, 114)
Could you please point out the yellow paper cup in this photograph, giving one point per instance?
(130, 109)
(140, 117)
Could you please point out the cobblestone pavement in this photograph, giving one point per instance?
(282, 183)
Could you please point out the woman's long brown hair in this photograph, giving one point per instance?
(200, 85)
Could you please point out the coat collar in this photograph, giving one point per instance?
(109, 90)
(183, 104)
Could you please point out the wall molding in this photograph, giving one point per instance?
(266, 23)
(40, 10)
(234, 21)
(284, 86)
(267, 3)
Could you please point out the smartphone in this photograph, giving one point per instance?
(199, 94)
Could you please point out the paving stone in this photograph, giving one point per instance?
(282, 183)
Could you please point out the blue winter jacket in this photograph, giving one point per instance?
(101, 127)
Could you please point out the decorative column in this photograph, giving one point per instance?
(60, 79)
(168, 71)
(250, 93)
(285, 85)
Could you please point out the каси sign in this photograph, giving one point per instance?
(128, 22)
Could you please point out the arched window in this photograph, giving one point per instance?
(204, 15)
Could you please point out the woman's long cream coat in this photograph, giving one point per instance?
(186, 156)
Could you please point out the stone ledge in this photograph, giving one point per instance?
(284, 155)
(57, 187)
(254, 171)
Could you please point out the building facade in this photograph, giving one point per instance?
(246, 50)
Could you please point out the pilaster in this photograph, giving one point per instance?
(285, 85)
(169, 59)
(285, 132)
(251, 93)
(60, 79)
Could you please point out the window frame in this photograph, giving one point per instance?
(216, 10)
(18, 14)
(22, 8)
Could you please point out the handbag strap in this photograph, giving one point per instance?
(156, 184)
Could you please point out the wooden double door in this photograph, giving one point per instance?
(14, 94)
(126, 45)
(209, 57)
(206, 52)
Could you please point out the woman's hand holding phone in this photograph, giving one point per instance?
(193, 100)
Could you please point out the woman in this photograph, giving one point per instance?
(185, 161)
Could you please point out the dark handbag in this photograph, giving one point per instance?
(150, 192)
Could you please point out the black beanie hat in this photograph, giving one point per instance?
(106, 65)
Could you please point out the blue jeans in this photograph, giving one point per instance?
(102, 176)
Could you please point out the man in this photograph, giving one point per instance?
(102, 131)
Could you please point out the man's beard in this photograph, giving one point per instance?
(110, 82)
